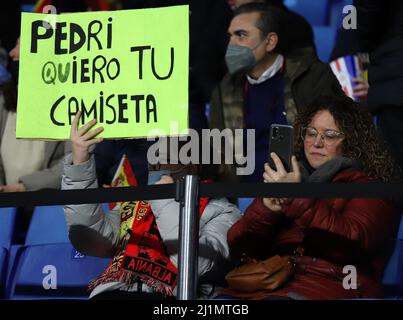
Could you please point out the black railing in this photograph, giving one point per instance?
(187, 192)
(216, 190)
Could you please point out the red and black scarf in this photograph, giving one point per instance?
(141, 254)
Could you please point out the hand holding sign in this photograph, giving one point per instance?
(83, 138)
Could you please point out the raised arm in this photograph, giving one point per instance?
(91, 231)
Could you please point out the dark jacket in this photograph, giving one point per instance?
(380, 27)
(334, 233)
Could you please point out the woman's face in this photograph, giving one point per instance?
(322, 139)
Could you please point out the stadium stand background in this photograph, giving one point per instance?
(23, 267)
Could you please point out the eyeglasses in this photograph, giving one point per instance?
(330, 137)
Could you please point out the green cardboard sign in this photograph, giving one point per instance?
(128, 69)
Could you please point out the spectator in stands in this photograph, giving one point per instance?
(151, 241)
(264, 86)
(335, 142)
(380, 28)
(25, 165)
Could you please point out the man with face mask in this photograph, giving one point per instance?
(265, 84)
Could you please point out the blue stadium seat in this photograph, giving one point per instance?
(393, 275)
(13, 256)
(72, 272)
(325, 38)
(8, 218)
(400, 288)
(243, 203)
(317, 12)
(47, 244)
(48, 225)
(3, 270)
(400, 233)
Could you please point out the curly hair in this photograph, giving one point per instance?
(362, 140)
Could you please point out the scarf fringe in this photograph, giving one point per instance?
(156, 285)
(130, 278)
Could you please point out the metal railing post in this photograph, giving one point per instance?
(187, 194)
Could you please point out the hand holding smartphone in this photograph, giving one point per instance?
(281, 143)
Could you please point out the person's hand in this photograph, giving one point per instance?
(83, 138)
(18, 187)
(274, 204)
(15, 52)
(361, 89)
(165, 180)
(280, 175)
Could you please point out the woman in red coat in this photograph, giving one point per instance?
(335, 142)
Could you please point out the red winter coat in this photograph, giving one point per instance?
(333, 232)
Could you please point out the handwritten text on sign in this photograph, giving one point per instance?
(128, 69)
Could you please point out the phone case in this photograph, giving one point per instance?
(282, 143)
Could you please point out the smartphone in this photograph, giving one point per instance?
(281, 143)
